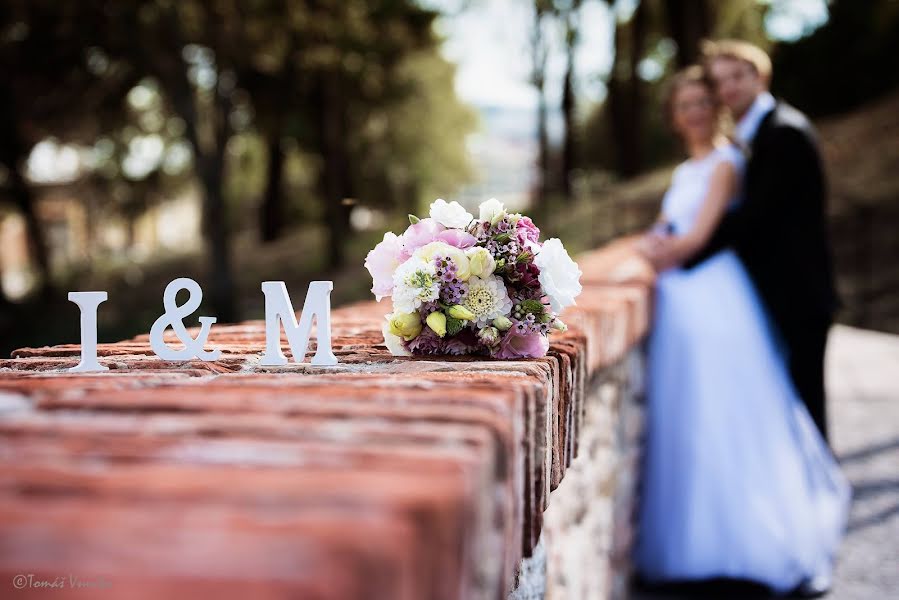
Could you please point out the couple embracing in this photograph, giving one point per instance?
(739, 481)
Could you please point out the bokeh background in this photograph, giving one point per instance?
(236, 141)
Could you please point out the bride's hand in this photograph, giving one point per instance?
(660, 250)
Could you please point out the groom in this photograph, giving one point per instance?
(779, 228)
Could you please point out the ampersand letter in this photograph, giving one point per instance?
(173, 316)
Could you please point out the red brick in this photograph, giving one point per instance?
(381, 477)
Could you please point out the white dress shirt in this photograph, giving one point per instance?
(748, 125)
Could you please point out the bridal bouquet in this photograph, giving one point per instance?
(462, 285)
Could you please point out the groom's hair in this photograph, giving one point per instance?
(757, 58)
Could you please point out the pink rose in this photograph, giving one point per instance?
(457, 238)
(419, 234)
(516, 345)
(527, 228)
(381, 262)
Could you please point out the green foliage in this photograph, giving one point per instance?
(350, 98)
(654, 144)
(413, 150)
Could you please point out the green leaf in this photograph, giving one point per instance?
(413, 219)
(453, 325)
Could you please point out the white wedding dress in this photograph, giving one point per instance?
(737, 481)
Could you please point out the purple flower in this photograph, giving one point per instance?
(516, 345)
(528, 275)
(465, 342)
(419, 234)
(426, 342)
(457, 238)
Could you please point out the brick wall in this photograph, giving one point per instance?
(383, 477)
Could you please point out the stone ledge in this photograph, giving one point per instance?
(383, 477)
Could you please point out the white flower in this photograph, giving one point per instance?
(492, 211)
(450, 215)
(414, 282)
(559, 275)
(382, 262)
(487, 299)
(394, 343)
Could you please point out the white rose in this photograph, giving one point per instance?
(492, 211)
(559, 275)
(481, 262)
(450, 215)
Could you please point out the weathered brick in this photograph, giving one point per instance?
(381, 477)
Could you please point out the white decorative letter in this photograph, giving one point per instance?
(278, 310)
(87, 303)
(173, 316)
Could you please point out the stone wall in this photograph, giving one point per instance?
(584, 549)
(382, 477)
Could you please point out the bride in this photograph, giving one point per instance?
(737, 481)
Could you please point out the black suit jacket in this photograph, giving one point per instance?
(779, 229)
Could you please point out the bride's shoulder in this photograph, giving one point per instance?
(681, 170)
(731, 154)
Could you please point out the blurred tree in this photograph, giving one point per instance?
(688, 23)
(539, 54)
(74, 62)
(569, 11)
(322, 71)
(743, 20)
(626, 100)
(52, 83)
(414, 149)
(357, 77)
(651, 40)
(850, 60)
(314, 75)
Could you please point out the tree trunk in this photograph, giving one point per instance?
(210, 171)
(217, 241)
(335, 176)
(569, 108)
(542, 149)
(215, 215)
(688, 23)
(538, 79)
(568, 111)
(209, 153)
(14, 151)
(625, 93)
(24, 199)
(271, 218)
